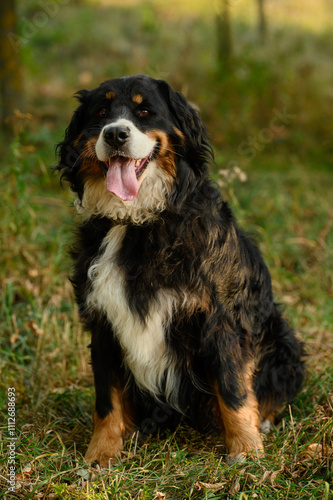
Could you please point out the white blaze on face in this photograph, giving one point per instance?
(124, 166)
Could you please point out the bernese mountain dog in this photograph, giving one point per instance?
(176, 296)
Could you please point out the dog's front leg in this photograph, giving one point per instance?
(241, 423)
(107, 439)
(112, 416)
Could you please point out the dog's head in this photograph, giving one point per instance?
(132, 144)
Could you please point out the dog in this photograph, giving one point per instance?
(176, 296)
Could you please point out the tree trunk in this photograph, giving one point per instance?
(262, 20)
(11, 85)
(224, 38)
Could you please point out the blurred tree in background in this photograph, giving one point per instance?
(11, 84)
(224, 37)
(262, 20)
(224, 31)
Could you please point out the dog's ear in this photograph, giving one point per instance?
(78, 119)
(68, 154)
(186, 119)
(76, 124)
(195, 153)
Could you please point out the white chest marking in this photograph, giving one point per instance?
(143, 343)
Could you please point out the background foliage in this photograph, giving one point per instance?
(270, 115)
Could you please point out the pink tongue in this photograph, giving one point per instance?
(121, 178)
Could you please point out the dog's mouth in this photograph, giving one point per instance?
(123, 174)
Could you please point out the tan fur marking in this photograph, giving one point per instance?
(193, 303)
(107, 439)
(91, 169)
(110, 94)
(166, 153)
(241, 426)
(137, 98)
(89, 164)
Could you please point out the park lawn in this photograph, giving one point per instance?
(286, 202)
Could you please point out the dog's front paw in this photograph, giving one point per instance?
(106, 441)
(246, 446)
(102, 453)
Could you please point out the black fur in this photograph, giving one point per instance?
(193, 246)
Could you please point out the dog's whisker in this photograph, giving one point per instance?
(77, 159)
(173, 151)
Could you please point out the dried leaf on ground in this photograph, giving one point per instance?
(214, 487)
(159, 496)
(318, 451)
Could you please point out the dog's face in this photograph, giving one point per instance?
(127, 140)
(133, 128)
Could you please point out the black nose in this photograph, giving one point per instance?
(116, 135)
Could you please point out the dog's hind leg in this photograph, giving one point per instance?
(280, 368)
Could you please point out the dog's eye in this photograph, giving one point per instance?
(102, 113)
(143, 113)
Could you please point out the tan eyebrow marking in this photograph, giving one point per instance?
(137, 98)
(110, 94)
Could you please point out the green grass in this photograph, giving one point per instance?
(286, 201)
